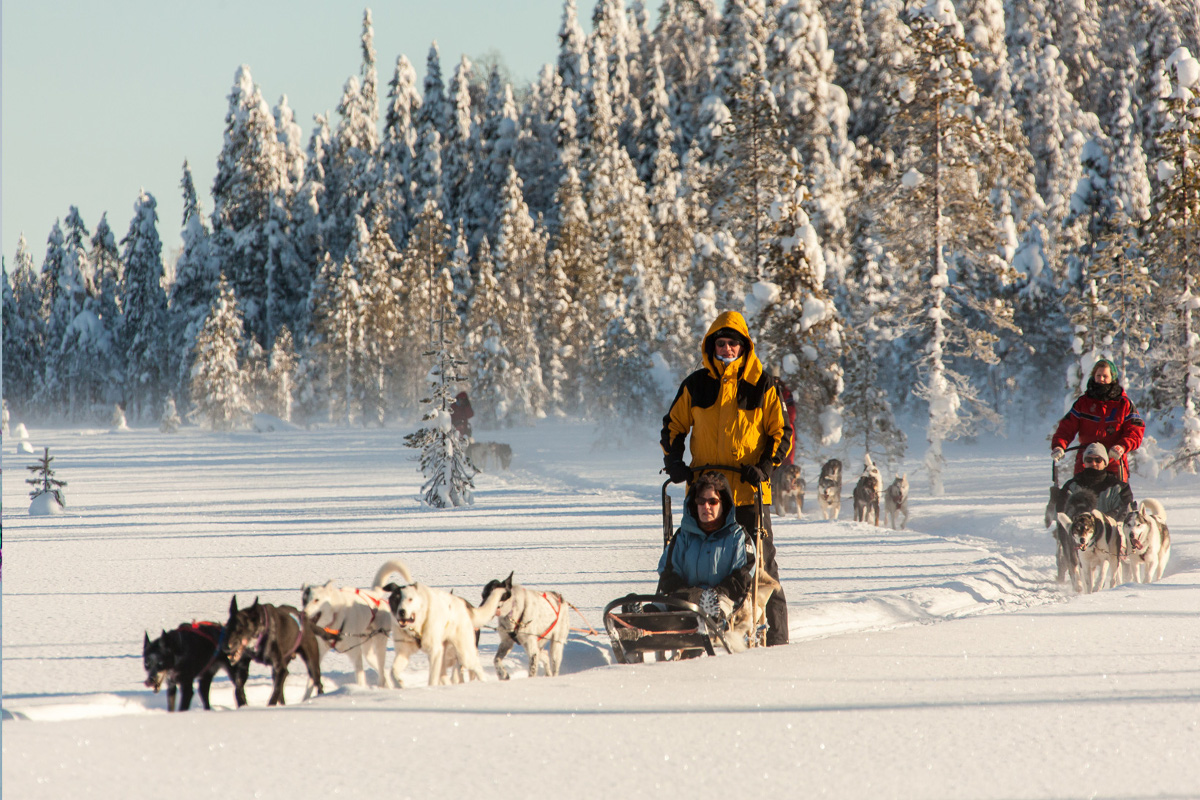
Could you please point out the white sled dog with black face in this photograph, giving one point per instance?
(533, 620)
(829, 489)
(895, 503)
(443, 623)
(1145, 528)
(1101, 545)
(358, 623)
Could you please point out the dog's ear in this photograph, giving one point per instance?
(1064, 520)
(233, 606)
(391, 587)
(508, 581)
(145, 641)
(255, 603)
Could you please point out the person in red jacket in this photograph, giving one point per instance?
(1102, 414)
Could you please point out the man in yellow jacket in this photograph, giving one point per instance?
(733, 410)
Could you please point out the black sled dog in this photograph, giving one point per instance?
(186, 653)
(273, 635)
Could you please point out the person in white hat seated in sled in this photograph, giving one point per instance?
(1113, 495)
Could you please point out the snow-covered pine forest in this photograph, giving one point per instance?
(942, 212)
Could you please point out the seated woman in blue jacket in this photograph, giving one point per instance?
(710, 549)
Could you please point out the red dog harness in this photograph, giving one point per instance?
(557, 615)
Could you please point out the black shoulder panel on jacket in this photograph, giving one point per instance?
(750, 395)
(702, 387)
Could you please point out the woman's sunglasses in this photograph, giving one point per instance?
(708, 501)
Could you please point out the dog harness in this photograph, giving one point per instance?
(557, 615)
(334, 632)
(264, 635)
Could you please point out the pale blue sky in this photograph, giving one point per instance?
(101, 99)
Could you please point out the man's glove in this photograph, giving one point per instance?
(754, 475)
(1115, 452)
(1057, 453)
(679, 472)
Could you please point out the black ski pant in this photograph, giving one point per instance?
(777, 615)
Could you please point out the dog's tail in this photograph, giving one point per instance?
(482, 615)
(387, 569)
(1155, 508)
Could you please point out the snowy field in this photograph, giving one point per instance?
(938, 662)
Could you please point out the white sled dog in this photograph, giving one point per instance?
(895, 503)
(829, 489)
(357, 623)
(443, 623)
(1145, 528)
(531, 619)
(1101, 545)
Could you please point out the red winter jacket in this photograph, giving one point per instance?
(1109, 422)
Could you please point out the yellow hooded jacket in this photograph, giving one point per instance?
(734, 413)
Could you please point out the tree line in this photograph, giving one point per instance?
(945, 211)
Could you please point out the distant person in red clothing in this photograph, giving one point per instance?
(460, 413)
(1103, 414)
(789, 408)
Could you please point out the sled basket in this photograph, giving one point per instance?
(673, 624)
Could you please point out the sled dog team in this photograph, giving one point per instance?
(1095, 548)
(359, 623)
(789, 489)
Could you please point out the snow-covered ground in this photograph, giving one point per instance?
(1020, 689)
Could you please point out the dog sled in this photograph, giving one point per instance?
(638, 624)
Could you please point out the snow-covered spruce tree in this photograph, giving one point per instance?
(398, 149)
(424, 285)
(24, 331)
(281, 369)
(73, 336)
(686, 33)
(627, 392)
(674, 220)
(217, 388)
(193, 290)
(1121, 272)
(431, 120)
(610, 24)
(937, 221)
(43, 480)
(520, 255)
(1175, 251)
(444, 463)
(337, 333)
(497, 139)
(354, 175)
(753, 160)
(814, 114)
(107, 274)
(491, 364)
(573, 245)
(459, 149)
(382, 323)
(799, 327)
(251, 169)
(144, 303)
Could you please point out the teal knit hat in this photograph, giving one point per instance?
(1111, 368)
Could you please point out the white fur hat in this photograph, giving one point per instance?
(1096, 449)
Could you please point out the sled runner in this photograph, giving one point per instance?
(656, 623)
